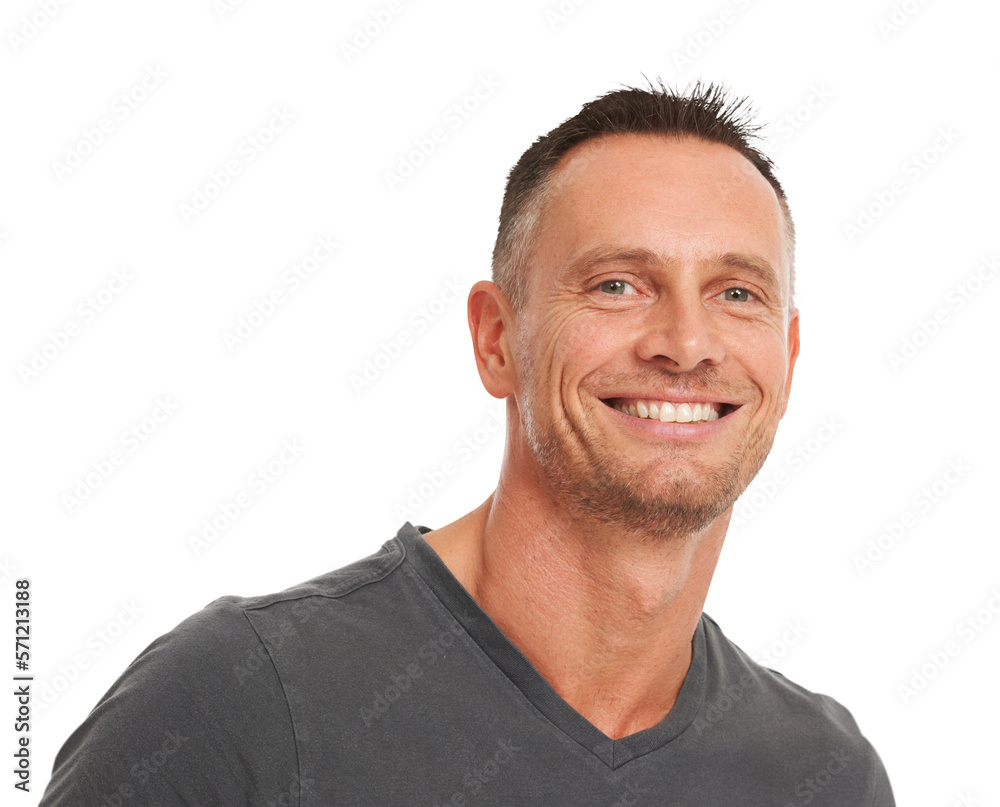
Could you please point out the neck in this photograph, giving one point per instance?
(606, 616)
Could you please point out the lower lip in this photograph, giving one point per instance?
(675, 431)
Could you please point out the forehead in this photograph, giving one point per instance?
(683, 199)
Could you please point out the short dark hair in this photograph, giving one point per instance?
(705, 112)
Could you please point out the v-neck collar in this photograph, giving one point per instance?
(513, 663)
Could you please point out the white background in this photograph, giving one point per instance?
(880, 93)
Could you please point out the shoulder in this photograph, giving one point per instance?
(733, 674)
(331, 585)
(776, 719)
(219, 645)
(201, 715)
(179, 727)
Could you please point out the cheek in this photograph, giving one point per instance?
(587, 345)
(565, 349)
(766, 362)
(584, 341)
(543, 349)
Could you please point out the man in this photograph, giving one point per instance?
(548, 648)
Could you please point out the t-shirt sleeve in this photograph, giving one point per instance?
(881, 790)
(199, 718)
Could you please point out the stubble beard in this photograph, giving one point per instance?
(650, 503)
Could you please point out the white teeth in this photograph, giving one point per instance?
(666, 412)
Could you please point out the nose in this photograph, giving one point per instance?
(678, 335)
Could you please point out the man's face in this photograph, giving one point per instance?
(659, 281)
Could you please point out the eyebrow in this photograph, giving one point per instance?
(754, 264)
(593, 258)
(602, 254)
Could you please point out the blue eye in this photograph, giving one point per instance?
(615, 286)
(737, 295)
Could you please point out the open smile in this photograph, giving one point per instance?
(672, 411)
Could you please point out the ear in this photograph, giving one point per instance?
(490, 319)
(792, 342)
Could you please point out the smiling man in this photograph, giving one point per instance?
(548, 648)
(645, 364)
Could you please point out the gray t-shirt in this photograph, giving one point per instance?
(384, 683)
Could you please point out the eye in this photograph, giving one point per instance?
(737, 295)
(616, 287)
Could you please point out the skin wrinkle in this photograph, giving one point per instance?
(534, 219)
(620, 503)
(595, 553)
